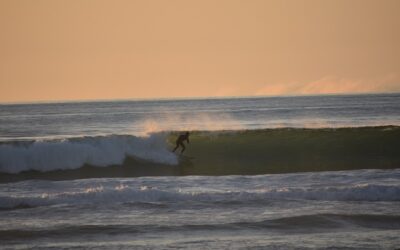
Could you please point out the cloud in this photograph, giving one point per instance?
(334, 85)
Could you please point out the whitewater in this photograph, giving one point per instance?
(309, 172)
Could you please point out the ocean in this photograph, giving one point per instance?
(305, 172)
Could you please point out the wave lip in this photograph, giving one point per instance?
(101, 151)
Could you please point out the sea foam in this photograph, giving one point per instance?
(99, 151)
(136, 194)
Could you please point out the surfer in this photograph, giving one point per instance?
(180, 140)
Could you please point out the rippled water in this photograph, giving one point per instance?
(343, 209)
(314, 210)
(60, 120)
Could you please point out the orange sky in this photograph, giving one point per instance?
(95, 49)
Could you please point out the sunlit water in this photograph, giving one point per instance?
(324, 210)
(139, 117)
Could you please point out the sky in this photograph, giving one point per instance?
(96, 49)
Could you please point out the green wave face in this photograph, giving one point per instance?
(290, 150)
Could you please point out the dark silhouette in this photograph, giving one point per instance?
(180, 140)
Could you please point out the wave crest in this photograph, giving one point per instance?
(139, 194)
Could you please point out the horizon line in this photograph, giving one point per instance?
(178, 98)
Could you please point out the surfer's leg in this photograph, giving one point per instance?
(183, 147)
(177, 145)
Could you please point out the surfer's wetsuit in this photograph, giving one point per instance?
(180, 140)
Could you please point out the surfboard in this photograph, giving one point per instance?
(186, 157)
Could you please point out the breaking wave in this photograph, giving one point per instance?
(240, 152)
(101, 151)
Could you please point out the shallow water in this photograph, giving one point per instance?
(350, 209)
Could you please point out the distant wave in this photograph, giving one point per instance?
(242, 152)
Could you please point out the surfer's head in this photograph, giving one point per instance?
(187, 133)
